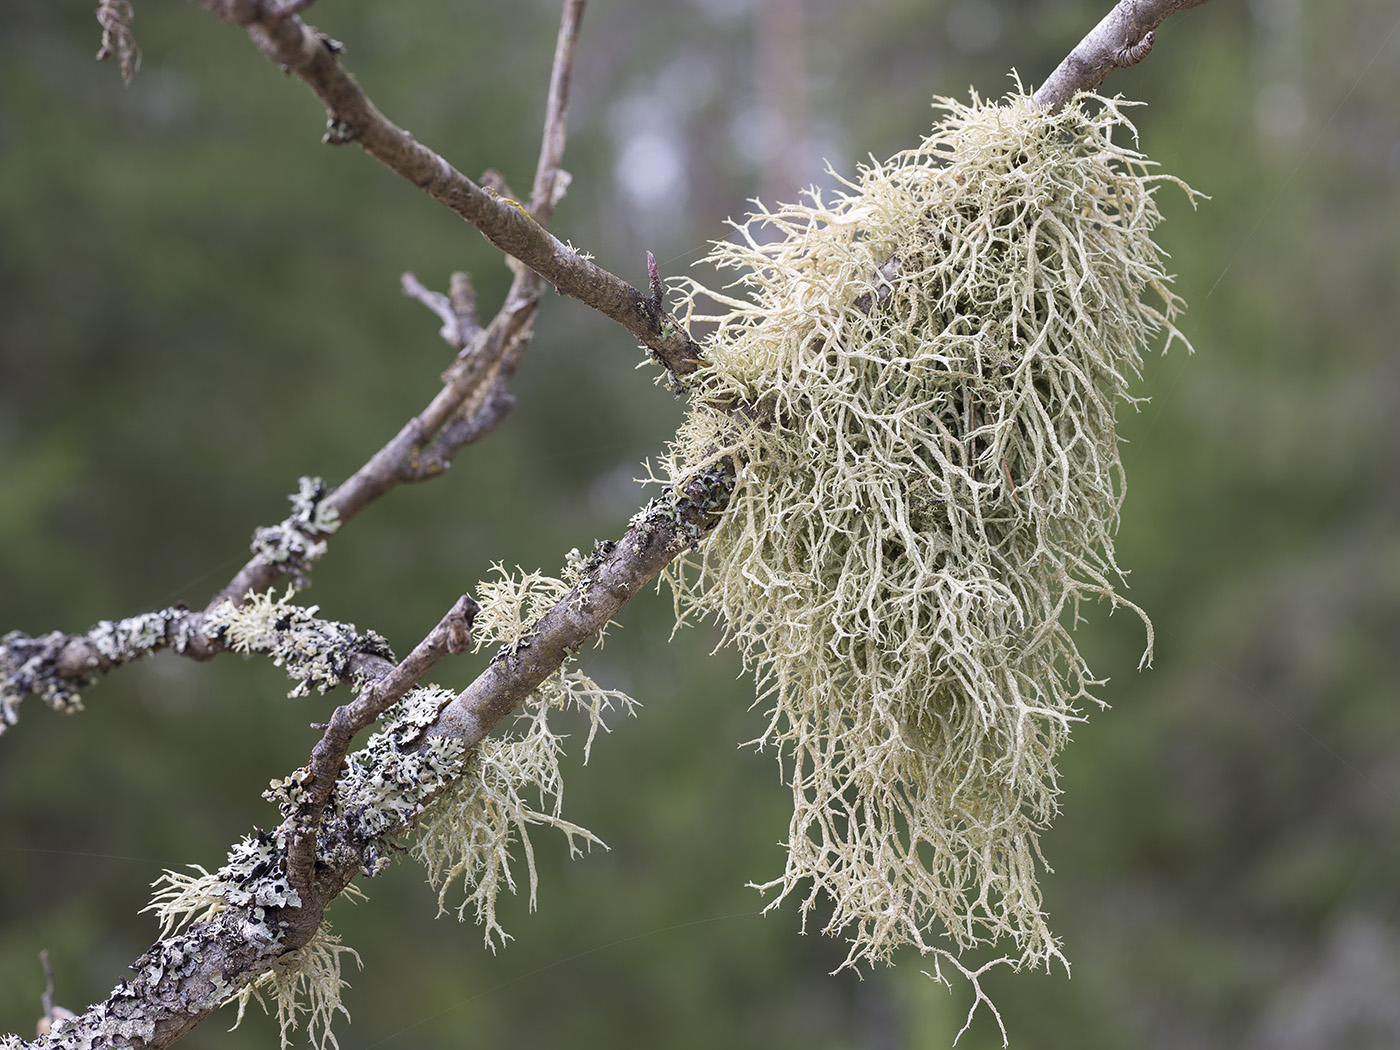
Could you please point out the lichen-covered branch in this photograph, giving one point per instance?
(223, 930)
(57, 666)
(515, 229)
(614, 574)
(474, 398)
(317, 780)
(1123, 38)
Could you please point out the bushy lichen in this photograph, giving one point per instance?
(928, 481)
(306, 981)
(513, 779)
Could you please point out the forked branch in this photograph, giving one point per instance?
(1122, 39)
(506, 223)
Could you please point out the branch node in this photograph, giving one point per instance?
(654, 275)
(1131, 56)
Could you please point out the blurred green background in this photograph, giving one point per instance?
(199, 302)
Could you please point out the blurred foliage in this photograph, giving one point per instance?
(198, 303)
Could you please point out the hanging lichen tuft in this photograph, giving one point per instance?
(928, 483)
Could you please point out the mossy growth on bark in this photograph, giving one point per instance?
(929, 365)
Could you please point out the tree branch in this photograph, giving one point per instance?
(1123, 38)
(613, 576)
(317, 779)
(184, 977)
(474, 398)
(515, 229)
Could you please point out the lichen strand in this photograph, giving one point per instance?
(306, 981)
(313, 652)
(513, 779)
(928, 491)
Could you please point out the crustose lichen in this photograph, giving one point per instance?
(929, 492)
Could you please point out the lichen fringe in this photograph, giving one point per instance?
(928, 491)
(306, 981)
(513, 780)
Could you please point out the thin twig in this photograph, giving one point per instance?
(438, 304)
(504, 221)
(1123, 38)
(550, 179)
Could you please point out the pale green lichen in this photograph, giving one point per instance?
(513, 779)
(307, 982)
(314, 652)
(927, 487)
(253, 878)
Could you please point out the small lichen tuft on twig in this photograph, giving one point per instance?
(513, 779)
(300, 538)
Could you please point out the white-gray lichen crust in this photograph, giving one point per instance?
(299, 539)
(387, 783)
(928, 491)
(29, 666)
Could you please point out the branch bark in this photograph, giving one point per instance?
(512, 227)
(317, 779)
(1123, 38)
